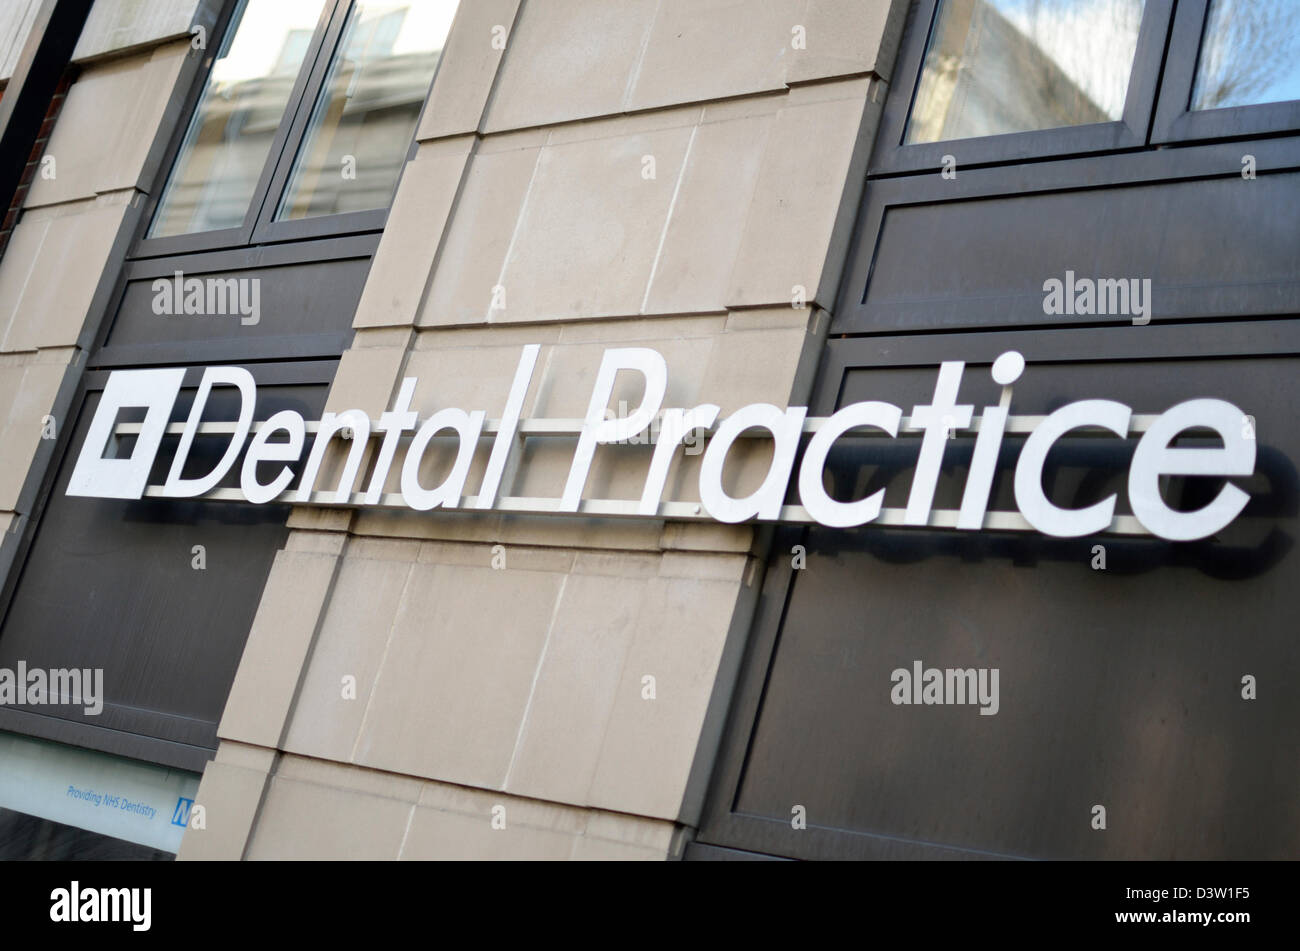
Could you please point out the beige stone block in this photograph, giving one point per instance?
(230, 796)
(370, 782)
(306, 821)
(29, 394)
(451, 692)
(474, 252)
(472, 338)
(120, 24)
(622, 126)
(257, 758)
(617, 564)
(707, 536)
(579, 532)
(65, 268)
(16, 266)
(468, 68)
(16, 18)
(531, 812)
(569, 375)
(591, 849)
(384, 549)
(437, 834)
(591, 227)
(745, 107)
(570, 371)
(756, 366)
(635, 331)
(317, 542)
(569, 59)
(525, 557)
(650, 746)
(320, 519)
(6, 522)
(107, 125)
(573, 693)
(382, 338)
(801, 190)
(353, 637)
(847, 37)
(785, 317)
(711, 49)
(633, 830)
(468, 377)
(693, 269)
(395, 286)
(703, 566)
(366, 379)
(266, 681)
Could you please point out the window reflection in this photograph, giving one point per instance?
(365, 117)
(230, 135)
(1250, 54)
(998, 66)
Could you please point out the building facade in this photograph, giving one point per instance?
(974, 214)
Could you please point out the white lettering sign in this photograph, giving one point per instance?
(99, 473)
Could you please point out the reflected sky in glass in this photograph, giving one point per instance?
(229, 137)
(365, 118)
(1250, 54)
(1000, 66)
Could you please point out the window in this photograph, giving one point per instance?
(984, 82)
(1250, 54)
(1000, 66)
(1233, 70)
(366, 112)
(308, 112)
(239, 111)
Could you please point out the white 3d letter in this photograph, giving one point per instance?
(813, 493)
(1154, 457)
(597, 429)
(1033, 502)
(765, 502)
(176, 487)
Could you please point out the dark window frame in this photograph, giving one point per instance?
(1148, 166)
(722, 824)
(142, 746)
(1042, 162)
(1175, 120)
(259, 225)
(891, 156)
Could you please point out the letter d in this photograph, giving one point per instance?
(176, 487)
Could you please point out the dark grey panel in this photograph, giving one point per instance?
(1119, 687)
(111, 584)
(302, 302)
(696, 852)
(1221, 248)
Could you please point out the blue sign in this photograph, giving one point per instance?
(181, 815)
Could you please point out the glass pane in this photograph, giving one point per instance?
(364, 121)
(996, 66)
(237, 117)
(1250, 54)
